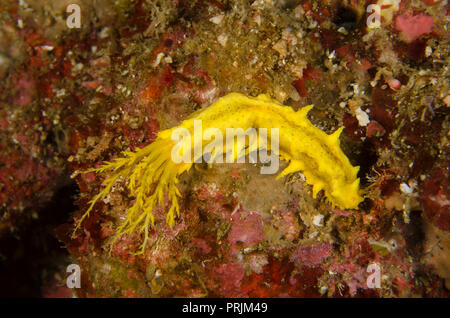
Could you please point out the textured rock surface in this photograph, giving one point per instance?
(73, 98)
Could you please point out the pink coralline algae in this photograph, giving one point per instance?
(413, 27)
(25, 88)
(248, 230)
(287, 223)
(311, 255)
(202, 245)
(17, 173)
(356, 276)
(230, 277)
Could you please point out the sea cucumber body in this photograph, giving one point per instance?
(306, 147)
(151, 173)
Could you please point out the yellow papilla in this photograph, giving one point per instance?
(152, 174)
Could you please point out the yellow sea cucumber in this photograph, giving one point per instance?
(152, 174)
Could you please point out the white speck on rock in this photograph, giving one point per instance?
(223, 38)
(158, 59)
(362, 117)
(217, 19)
(405, 188)
(317, 220)
(47, 47)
